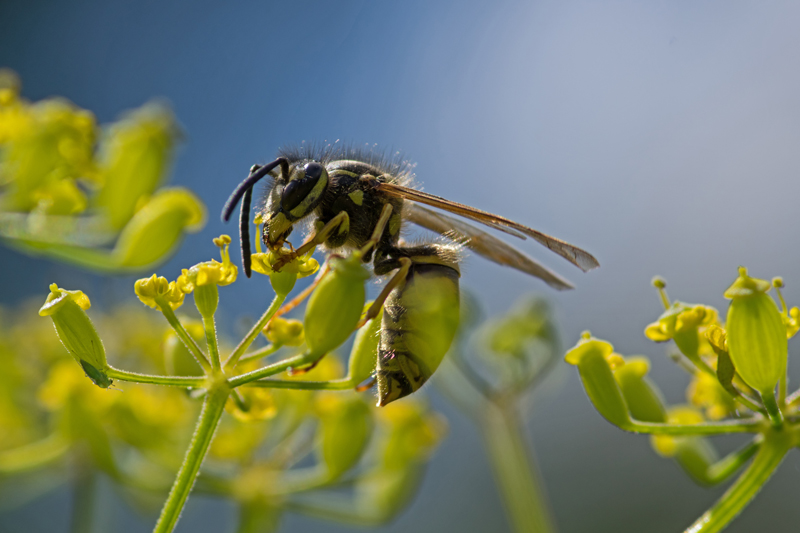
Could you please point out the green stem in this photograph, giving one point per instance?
(750, 404)
(725, 467)
(33, 455)
(515, 471)
(260, 353)
(175, 381)
(749, 425)
(270, 370)
(248, 339)
(210, 327)
(83, 495)
(772, 452)
(206, 426)
(334, 384)
(782, 384)
(773, 410)
(183, 335)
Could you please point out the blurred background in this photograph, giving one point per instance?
(660, 136)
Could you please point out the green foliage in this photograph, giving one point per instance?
(89, 196)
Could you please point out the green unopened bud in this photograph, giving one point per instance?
(756, 334)
(76, 332)
(345, 428)
(136, 152)
(334, 309)
(284, 332)
(157, 228)
(640, 393)
(589, 355)
(365, 348)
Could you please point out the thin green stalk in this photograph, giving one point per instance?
(782, 384)
(750, 404)
(33, 455)
(773, 410)
(248, 339)
(270, 370)
(260, 353)
(83, 497)
(772, 452)
(334, 384)
(749, 425)
(725, 467)
(515, 472)
(206, 426)
(183, 335)
(210, 327)
(175, 381)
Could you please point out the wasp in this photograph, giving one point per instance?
(356, 197)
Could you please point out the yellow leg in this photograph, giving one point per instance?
(377, 233)
(297, 300)
(341, 220)
(397, 279)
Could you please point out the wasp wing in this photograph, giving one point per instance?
(578, 257)
(483, 244)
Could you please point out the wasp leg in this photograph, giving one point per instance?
(377, 233)
(297, 300)
(367, 384)
(340, 223)
(400, 277)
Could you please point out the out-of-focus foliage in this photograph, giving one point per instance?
(87, 195)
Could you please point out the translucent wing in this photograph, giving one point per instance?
(578, 257)
(483, 244)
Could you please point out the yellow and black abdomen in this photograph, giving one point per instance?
(420, 320)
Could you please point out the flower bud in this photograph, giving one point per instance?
(589, 355)
(334, 308)
(76, 332)
(345, 426)
(641, 395)
(756, 334)
(157, 228)
(148, 290)
(284, 332)
(136, 152)
(363, 356)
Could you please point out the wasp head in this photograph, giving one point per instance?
(292, 200)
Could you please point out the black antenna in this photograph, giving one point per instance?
(244, 230)
(245, 192)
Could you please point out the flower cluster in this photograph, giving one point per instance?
(71, 189)
(382, 452)
(739, 385)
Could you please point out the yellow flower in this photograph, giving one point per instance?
(149, 290)
(210, 272)
(668, 445)
(706, 392)
(680, 318)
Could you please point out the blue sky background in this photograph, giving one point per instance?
(661, 136)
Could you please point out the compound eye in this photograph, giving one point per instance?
(313, 170)
(299, 188)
